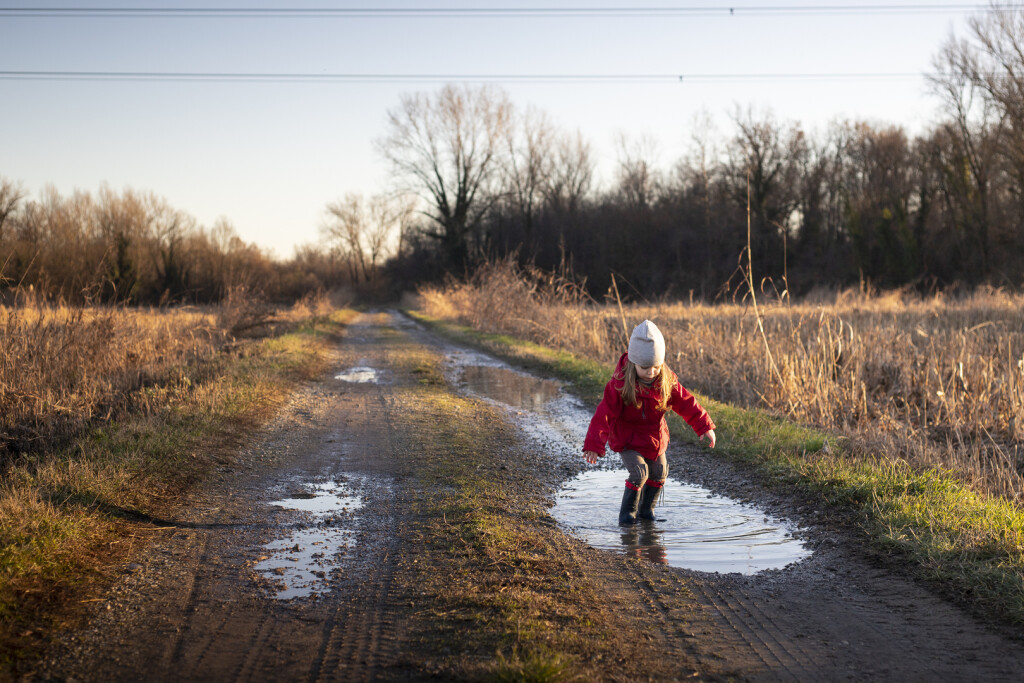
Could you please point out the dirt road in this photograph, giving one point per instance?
(340, 546)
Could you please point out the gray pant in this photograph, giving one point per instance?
(641, 469)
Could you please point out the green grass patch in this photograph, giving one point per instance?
(969, 544)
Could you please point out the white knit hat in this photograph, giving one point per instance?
(646, 345)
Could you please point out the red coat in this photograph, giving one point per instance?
(642, 429)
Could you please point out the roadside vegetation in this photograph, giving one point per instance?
(902, 412)
(108, 416)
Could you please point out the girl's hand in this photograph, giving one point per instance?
(710, 434)
(591, 456)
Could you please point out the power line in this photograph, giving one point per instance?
(385, 12)
(251, 77)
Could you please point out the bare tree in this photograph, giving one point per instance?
(968, 161)
(572, 173)
(445, 147)
(10, 197)
(361, 230)
(385, 215)
(403, 213)
(527, 166)
(766, 152)
(997, 66)
(637, 179)
(347, 228)
(170, 230)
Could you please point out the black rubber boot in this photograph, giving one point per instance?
(648, 498)
(627, 513)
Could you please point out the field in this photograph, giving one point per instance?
(107, 415)
(151, 470)
(930, 381)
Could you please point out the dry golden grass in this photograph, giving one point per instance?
(931, 381)
(107, 416)
(60, 368)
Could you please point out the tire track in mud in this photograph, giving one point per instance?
(357, 639)
(743, 626)
(176, 647)
(360, 636)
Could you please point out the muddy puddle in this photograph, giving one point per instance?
(360, 375)
(700, 530)
(299, 564)
(695, 529)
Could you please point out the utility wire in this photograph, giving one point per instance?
(386, 12)
(420, 78)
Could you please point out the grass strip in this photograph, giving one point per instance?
(502, 593)
(68, 515)
(968, 544)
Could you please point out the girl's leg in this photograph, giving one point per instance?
(637, 468)
(657, 470)
(652, 489)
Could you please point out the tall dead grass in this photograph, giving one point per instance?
(935, 381)
(61, 368)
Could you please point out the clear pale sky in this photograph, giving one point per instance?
(268, 156)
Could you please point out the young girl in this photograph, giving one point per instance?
(631, 420)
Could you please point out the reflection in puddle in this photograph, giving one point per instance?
(555, 421)
(700, 531)
(361, 375)
(299, 564)
(509, 387)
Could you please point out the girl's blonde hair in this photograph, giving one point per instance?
(663, 383)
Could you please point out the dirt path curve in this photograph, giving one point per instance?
(204, 602)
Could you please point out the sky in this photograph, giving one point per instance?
(268, 156)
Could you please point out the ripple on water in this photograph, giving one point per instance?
(299, 564)
(699, 531)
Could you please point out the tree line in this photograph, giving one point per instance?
(477, 178)
(125, 247)
(860, 202)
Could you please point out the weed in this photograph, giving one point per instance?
(533, 668)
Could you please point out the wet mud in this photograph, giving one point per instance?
(297, 565)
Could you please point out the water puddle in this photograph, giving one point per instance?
(507, 386)
(299, 564)
(360, 375)
(701, 531)
(547, 414)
